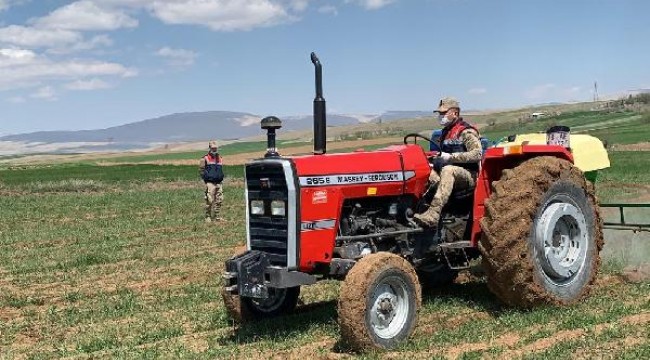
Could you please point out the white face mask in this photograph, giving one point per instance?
(444, 120)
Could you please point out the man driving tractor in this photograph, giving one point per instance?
(458, 163)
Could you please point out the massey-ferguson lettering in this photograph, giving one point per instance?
(350, 217)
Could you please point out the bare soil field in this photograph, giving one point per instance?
(643, 146)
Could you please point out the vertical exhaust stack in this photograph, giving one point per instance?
(320, 121)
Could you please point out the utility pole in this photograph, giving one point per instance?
(595, 91)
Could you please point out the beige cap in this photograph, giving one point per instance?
(213, 144)
(447, 103)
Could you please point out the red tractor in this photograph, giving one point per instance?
(532, 217)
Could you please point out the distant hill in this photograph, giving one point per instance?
(179, 127)
(174, 128)
(399, 115)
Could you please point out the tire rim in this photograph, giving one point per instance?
(562, 240)
(390, 307)
(271, 303)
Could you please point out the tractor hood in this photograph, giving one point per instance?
(392, 165)
(390, 171)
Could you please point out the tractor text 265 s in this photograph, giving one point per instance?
(533, 218)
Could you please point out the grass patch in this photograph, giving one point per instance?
(16, 301)
(68, 185)
(135, 272)
(80, 177)
(626, 180)
(627, 167)
(615, 128)
(99, 343)
(83, 261)
(225, 150)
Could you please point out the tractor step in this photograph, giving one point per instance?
(456, 248)
(456, 245)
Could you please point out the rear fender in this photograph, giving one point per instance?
(494, 162)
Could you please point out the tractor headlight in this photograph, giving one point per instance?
(257, 207)
(278, 208)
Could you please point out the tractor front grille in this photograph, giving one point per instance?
(266, 181)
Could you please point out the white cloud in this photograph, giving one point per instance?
(177, 57)
(23, 68)
(299, 5)
(36, 54)
(85, 16)
(12, 57)
(133, 3)
(372, 4)
(16, 99)
(61, 30)
(44, 93)
(95, 42)
(87, 85)
(64, 26)
(6, 4)
(35, 38)
(222, 15)
(477, 91)
(328, 9)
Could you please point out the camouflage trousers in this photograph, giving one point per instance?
(450, 178)
(213, 200)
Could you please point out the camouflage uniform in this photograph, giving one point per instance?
(212, 174)
(213, 200)
(452, 177)
(455, 175)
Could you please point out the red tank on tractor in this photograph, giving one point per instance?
(532, 218)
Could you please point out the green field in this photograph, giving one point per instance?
(28, 177)
(115, 261)
(615, 128)
(225, 150)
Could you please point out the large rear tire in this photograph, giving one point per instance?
(378, 302)
(542, 234)
(244, 309)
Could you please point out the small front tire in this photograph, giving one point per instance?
(378, 303)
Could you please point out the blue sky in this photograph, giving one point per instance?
(97, 63)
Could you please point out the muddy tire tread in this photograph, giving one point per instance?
(355, 292)
(508, 220)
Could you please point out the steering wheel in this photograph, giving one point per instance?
(415, 137)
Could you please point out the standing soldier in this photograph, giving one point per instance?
(211, 170)
(458, 163)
